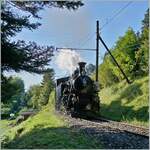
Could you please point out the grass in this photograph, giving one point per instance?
(46, 130)
(4, 126)
(128, 103)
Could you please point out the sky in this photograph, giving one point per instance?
(77, 29)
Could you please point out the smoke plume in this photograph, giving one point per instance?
(68, 60)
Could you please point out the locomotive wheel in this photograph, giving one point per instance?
(75, 106)
(95, 107)
(70, 103)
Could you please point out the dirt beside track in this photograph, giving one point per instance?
(109, 136)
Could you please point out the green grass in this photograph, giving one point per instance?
(128, 103)
(46, 130)
(4, 126)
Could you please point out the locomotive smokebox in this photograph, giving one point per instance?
(82, 67)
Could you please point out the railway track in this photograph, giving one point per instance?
(112, 134)
(115, 124)
(141, 131)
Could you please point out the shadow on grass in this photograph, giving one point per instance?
(131, 92)
(121, 113)
(68, 138)
(118, 111)
(51, 138)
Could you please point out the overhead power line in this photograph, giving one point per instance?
(80, 49)
(116, 14)
(110, 20)
(87, 39)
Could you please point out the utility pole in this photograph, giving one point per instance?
(128, 81)
(97, 48)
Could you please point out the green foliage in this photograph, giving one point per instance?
(124, 52)
(47, 87)
(128, 103)
(32, 96)
(46, 130)
(145, 21)
(131, 52)
(107, 76)
(12, 94)
(11, 86)
(142, 55)
(38, 95)
(19, 55)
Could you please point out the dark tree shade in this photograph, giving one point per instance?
(19, 55)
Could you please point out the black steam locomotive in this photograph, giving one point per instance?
(77, 93)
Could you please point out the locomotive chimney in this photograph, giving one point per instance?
(82, 67)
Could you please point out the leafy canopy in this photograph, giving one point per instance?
(15, 16)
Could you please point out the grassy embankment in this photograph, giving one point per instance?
(128, 103)
(45, 131)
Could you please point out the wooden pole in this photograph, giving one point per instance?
(97, 48)
(114, 60)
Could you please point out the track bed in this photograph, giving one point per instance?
(112, 134)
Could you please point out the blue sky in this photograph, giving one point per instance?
(64, 28)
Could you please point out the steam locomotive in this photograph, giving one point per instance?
(77, 92)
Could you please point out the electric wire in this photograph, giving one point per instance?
(115, 15)
(110, 20)
(87, 39)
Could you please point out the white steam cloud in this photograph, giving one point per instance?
(68, 60)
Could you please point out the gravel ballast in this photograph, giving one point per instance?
(108, 134)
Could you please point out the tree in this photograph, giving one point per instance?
(47, 87)
(38, 95)
(125, 53)
(32, 96)
(11, 86)
(145, 21)
(142, 56)
(107, 76)
(19, 55)
(131, 52)
(12, 94)
(90, 68)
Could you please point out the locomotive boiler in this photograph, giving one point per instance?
(77, 92)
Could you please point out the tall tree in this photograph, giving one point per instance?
(11, 86)
(12, 94)
(131, 52)
(142, 56)
(32, 96)
(125, 53)
(47, 87)
(107, 76)
(16, 15)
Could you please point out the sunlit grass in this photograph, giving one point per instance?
(128, 103)
(46, 130)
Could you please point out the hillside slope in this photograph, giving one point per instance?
(46, 131)
(127, 103)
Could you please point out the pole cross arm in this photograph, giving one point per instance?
(79, 49)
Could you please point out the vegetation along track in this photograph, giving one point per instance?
(112, 134)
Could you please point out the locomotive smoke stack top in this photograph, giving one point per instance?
(82, 67)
